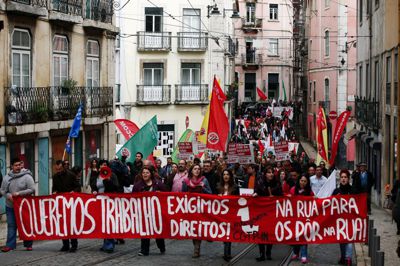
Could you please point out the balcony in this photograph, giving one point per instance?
(192, 41)
(34, 8)
(154, 41)
(191, 93)
(99, 15)
(31, 105)
(251, 25)
(153, 94)
(69, 11)
(231, 48)
(368, 113)
(251, 60)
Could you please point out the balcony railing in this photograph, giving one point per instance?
(154, 41)
(254, 24)
(251, 59)
(192, 41)
(186, 93)
(153, 94)
(71, 7)
(30, 105)
(100, 10)
(368, 113)
(38, 3)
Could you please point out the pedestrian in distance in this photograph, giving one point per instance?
(318, 180)
(363, 181)
(148, 183)
(227, 187)
(195, 182)
(93, 170)
(105, 182)
(346, 249)
(267, 186)
(18, 182)
(66, 181)
(302, 188)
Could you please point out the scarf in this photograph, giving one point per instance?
(192, 183)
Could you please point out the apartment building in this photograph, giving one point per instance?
(55, 55)
(265, 49)
(168, 55)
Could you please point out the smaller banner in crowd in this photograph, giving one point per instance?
(281, 151)
(285, 220)
(277, 111)
(240, 153)
(185, 150)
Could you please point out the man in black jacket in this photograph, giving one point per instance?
(65, 181)
(211, 176)
(363, 182)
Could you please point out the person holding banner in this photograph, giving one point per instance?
(195, 182)
(226, 187)
(267, 186)
(148, 183)
(302, 188)
(105, 182)
(346, 249)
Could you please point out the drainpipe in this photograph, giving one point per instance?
(398, 102)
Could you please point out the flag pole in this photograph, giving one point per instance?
(63, 157)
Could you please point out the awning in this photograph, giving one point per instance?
(349, 135)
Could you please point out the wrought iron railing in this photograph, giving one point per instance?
(186, 93)
(153, 41)
(100, 10)
(192, 41)
(72, 7)
(251, 24)
(251, 58)
(231, 47)
(38, 3)
(368, 113)
(30, 105)
(153, 94)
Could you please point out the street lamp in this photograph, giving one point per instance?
(235, 13)
(214, 10)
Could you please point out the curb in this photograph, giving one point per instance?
(361, 251)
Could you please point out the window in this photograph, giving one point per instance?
(315, 88)
(310, 90)
(273, 47)
(326, 90)
(21, 58)
(250, 13)
(326, 38)
(191, 20)
(153, 79)
(273, 11)
(388, 79)
(377, 76)
(92, 64)
(360, 10)
(190, 74)
(60, 60)
(153, 19)
(327, 3)
(367, 77)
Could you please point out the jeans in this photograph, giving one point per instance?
(303, 251)
(227, 249)
(346, 251)
(74, 243)
(12, 230)
(108, 244)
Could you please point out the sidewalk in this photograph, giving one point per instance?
(3, 230)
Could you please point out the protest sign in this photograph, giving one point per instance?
(277, 111)
(281, 151)
(285, 220)
(240, 153)
(185, 150)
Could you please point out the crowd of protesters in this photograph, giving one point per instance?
(266, 177)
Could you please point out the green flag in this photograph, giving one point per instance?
(187, 136)
(284, 91)
(143, 141)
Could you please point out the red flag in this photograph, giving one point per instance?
(218, 125)
(261, 94)
(340, 125)
(261, 146)
(128, 129)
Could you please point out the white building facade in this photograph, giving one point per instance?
(168, 54)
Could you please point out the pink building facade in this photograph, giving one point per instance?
(331, 31)
(265, 57)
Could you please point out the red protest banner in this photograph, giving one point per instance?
(185, 150)
(281, 151)
(240, 153)
(286, 220)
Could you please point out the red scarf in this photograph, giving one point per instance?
(192, 183)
